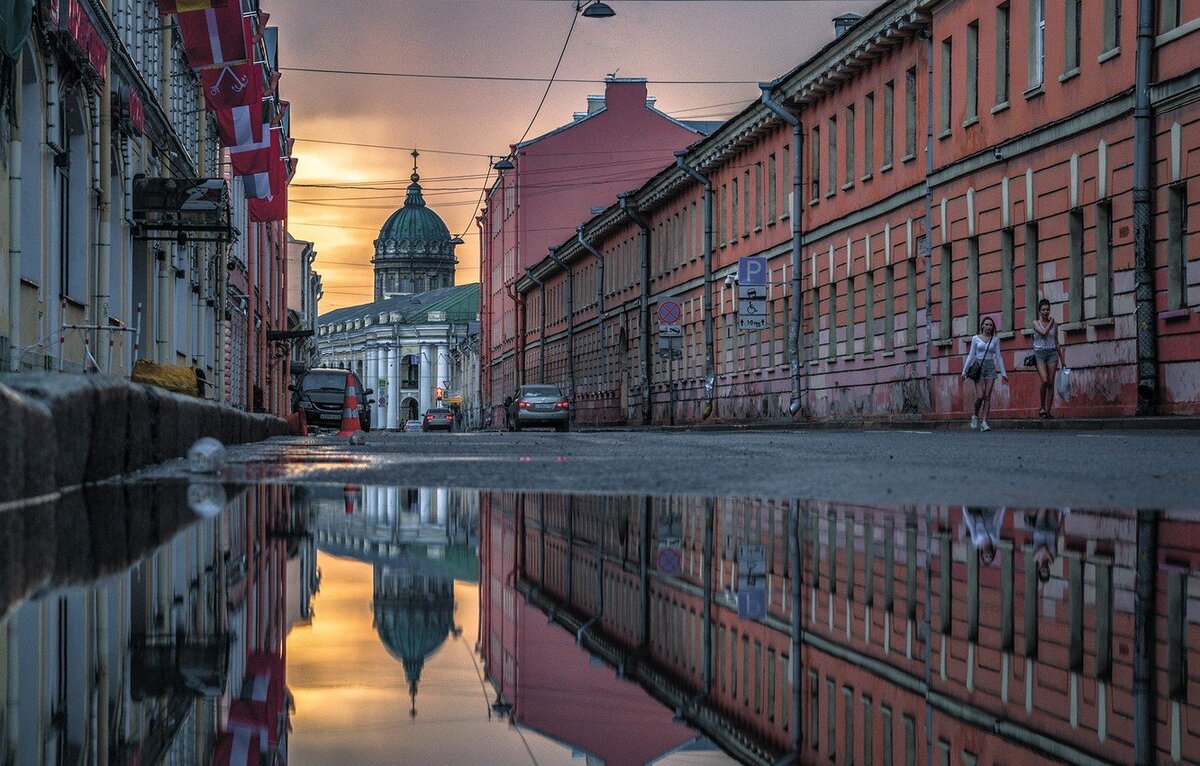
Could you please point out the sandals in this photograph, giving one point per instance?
(1045, 415)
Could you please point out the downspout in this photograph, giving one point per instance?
(797, 305)
(796, 547)
(14, 241)
(710, 371)
(647, 409)
(47, 291)
(570, 329)
(485, 331)
(644, 575)
(542, 329)
(710, 511)
(600, 317)
(104, 224)
(1143, 231)
(519, 303)
(928, 34)
(1144, 612)
(599, 577)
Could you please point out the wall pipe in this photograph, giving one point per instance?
(796, 328)
(710, 368)
(541, 330)
(927, 33)
(647, 408)
(600, 316)
(1143, 223)
(48, 291)
(599, 577)
(1144, 615)
(519, 304)
(570, 329)
(104, 224)
(14, 236)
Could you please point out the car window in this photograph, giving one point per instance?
(540, 391)
(330, 380)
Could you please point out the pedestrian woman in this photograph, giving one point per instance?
(1047, 354)
(982, 364)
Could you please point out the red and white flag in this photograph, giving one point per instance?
(183, 6)
(248, 137)
(232, 85)
(216, 36)
(272, 206)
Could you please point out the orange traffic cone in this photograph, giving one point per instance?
(350, 496)
(350, 424)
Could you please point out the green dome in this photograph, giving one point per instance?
(415, 222)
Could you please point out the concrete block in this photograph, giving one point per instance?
(72, 530)
(108, 443)
(164, 419)
(210, 424)
(41, 450)
(191, 418)
(12, 447)
(71, 400)
(139, 429)
(109, 519)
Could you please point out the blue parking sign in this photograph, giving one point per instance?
(752, 604)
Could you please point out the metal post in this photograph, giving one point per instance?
(1143, 222)
(647, 408)
(1144, 615)
(710, 374)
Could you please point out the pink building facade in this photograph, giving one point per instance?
(1004, 136)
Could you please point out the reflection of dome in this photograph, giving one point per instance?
(413, 615)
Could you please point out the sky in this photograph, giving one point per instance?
(702, 59)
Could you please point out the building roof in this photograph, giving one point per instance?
(461, 304)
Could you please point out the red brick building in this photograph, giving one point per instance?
(1004, 135)
(555, 181)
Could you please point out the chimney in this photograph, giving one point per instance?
(595, 104)
(843, 23)
(625, 94)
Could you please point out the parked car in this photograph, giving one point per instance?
(321, 395)
(539, 406)
(412, 425)
(437, 419)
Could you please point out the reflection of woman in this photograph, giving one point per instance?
(1048, 355)
(984, 525)
(1046, 524)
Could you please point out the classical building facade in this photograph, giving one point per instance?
(937, 162)
(400, 344)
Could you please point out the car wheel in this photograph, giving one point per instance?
(516, 426)
(366, 424)
(566, 426)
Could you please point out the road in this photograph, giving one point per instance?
(1131, 469)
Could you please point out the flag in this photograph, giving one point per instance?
(272, 207)
(216, 36)
(232, 85)
(183, 6)
(245, 131)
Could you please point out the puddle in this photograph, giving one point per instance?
(159, 621)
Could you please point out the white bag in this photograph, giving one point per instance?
(1062, 384)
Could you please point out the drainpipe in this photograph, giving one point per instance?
(1143, 231)
(519, 303)
(541, 330)
(570, 329)
(710, 374)
(644, 575)
(103, 206)
(48, 279)
(797, 570)
(647, 409)
(600, 317)
(710, 512)
(14, 238)
(1144, 612)
(928, 34)
(797, 305)
(599, 576)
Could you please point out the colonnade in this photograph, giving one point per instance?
(380, 365)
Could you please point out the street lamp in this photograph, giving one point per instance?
(504, 164)
(596, 10)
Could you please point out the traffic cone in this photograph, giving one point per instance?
(350, 496)
(350, 424)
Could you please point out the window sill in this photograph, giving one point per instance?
(1073, 327)
(865, 178)
(943, 343)
(998, 108)
(908, 158)
(1175, 315)
(1069, 74)
(73, 302)
(814, 202)
(1109, 54)
(1034, 92)
(757, 229)
(944, 134)
(830, 193)
(770, 223)
(847, 186)
(970, 121)
(885, 168)
(868, 357)
(888, 354)
(912, 349)
(30, 282)
(1101, 322)
(1174, 34)
(1005, 335)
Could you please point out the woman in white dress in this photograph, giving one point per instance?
(985, 350)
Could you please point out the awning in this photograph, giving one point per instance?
(16, 17)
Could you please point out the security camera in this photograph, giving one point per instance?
(998, 153)
(730, 280)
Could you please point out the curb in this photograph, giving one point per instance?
(62, 431)
(1155, 423)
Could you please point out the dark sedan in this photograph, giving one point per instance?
(321, 395)
(539, 406)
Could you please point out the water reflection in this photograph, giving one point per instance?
(456, 626)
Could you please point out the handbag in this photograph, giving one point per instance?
(974, 370)
(1030, 360)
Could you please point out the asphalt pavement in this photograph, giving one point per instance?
(1144, 468)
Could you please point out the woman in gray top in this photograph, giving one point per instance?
(1048, 355)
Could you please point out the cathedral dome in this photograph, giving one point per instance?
(414, 252)
(415, 221)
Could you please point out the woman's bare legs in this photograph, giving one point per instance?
(987, 397)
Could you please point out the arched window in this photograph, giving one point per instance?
(72, 170)
(33, 204)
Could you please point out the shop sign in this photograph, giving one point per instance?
(129, 110)
(83, 39)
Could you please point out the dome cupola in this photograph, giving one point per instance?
(414, 252)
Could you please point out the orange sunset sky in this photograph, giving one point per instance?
(354, 131)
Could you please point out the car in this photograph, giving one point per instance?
(437, 419)
(539, 406)
(412, 425)
(320, 393)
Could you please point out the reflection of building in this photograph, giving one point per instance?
(418, 541)
(1016, 669)
(400, 344)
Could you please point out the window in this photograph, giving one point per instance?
(972, 90)
(815, 164)
(947, 84)
(910, 114)
(1177, 247)
(733, 209)
(814, 336)
(972, 283)
(850, 145)
(850, 325)
(1073, 18)
(814, 709)
(868, 736)
(720, 205)
(889, 122)
(885, 726)
(746, 203)
(831, 339)
(868, 311)
(785, 161)
(1103, 258)
(1075, 265)
(1006, 280)
(1170, 14)
(1031, 272)
(1003, 46)
(889, 307)
(848, 724)
(758, 196)
(910, 316)
(1112, 25)
(833, 152)
(1037, 43)
(772, 188)
(831, 716)
(947, 287)
(868, 135)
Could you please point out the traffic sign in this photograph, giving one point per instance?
(669, 312)
(752, 580)
(752, 270)
(752, 292)
(670, 330)
(669, 559)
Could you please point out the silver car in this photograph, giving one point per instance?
(539, 406)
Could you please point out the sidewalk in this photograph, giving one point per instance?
(1153, 423)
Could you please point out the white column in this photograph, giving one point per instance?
(443, 365)
(441, 510)
(425, 379)
(392, 372)
(425, 499)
